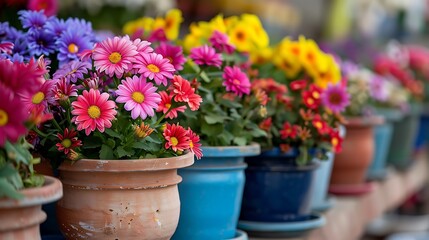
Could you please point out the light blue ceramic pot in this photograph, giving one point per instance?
(320, 201)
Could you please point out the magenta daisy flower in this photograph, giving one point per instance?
(172, 53)
(236, 81)
(114, 56)
(6, 47)
(155, 67)
(42, 97)
(93, 110)
(64, 89)
(12, 117)
(143, 47)
(336, 98)
(220, 41)
(139, 96)
(206, 55)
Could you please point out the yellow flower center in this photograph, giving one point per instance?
(236, 82)
(174, 141)
(115, 57)
(4, 118)
(316, 95)
(73, 48)
(334, 141)
(66, 143)
(191, 144)
(318, 125)
(168, 105)
(138, 97)
(310, 101)
(153, 68)
(94, 111)
(38, 98)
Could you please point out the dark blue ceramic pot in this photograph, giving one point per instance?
(211, 193)
(277, 189)
(423, 132)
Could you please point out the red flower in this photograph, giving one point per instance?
(165, 105)
(288, 131)
(266, 124)
(194, 144)
(68, 140)
(176, 137)
(303, 133)
(336, 141)
(315, 93)
(298, 84)
(307, 115)
(321, 126)
(183, 92)
(261, 96)
(309, 101)
(39, 115)
(284, 147)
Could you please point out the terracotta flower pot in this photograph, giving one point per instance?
(351, 164)
(121, 199)
(20, 219)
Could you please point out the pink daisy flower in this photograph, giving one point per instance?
(23, 78)
(42, 97)
(93, 110)
(236, 81)
(64, 89)
(336, 98)
(155, 67)
(12, 117)
(194, 144)
(220, 41)
(165, 106)
(143, 47)
(68, 140)
(173, 53)
(183, 92)
(114, 56)
(206, 55)
(6, 47)
(176, 136)
(139, 96)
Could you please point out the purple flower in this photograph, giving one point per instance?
(55, 26)
(4, 27)
(40, 42)
(378, 89)
(72, 71)
(71, 43)
(101, 35)
(348, 67)
(336, 98)
(32, 19)
(84, 26)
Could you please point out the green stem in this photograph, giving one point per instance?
(40, 132)
(56, 124)
(162, 117)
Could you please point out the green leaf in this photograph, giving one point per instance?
(106, 152)
(226, 137)
(7, 190)
(7, 171)
(112, 133)
(211, 129)
(212, 119)
(240, 141)
(153, 140)
(229, 104)
(303, 156)
(147, 146)
(111, 143)
(34, 180)
(257, 132)
(92, 142)
(18, 153)
(124, 152)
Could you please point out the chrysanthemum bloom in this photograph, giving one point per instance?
(140, 97)
(194, 144)
(81, 24)
(236, 81)
(12, 117)
(55, 26)
(114, 56)
(142, 46)
(50, 7)
(72, 71)
(71, 43)
(266, 124)
(155, 67)
(166, 106)
(6, 47)
(206, 55)
(298, 84)
(32, 19)
(42, 97)
(64, 89)
(173, 53)
(309, 101)
(183, 92)
(288, 131)
(220, 41)
(336, 141)
(93, 110)
(41, 42)
(321, 126)
(68, 140)
(336, 98)
(176, 137)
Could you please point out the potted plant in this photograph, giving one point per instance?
(22, 191)
(405, 131)
(304, 114)
(212, 188)
(112, 136)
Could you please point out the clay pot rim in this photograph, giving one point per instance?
(129, 165)
(231, 151)
(364, 121)
(51, 191)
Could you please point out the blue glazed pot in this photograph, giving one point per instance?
(423, 132)
(211, 193)
(321, 183)
(277, 190)
(382, 136)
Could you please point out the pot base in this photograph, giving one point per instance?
(351, 189)
(282, 229)
(324, 206)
